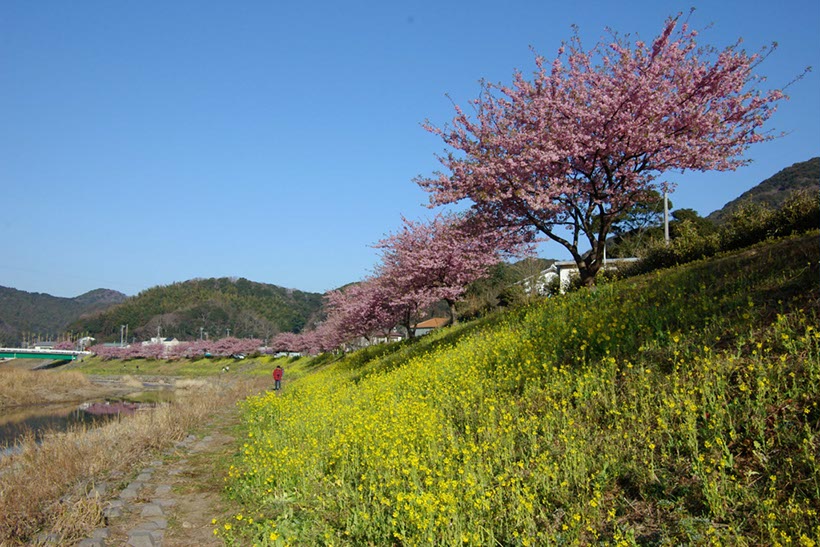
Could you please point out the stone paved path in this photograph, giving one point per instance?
(171, 501)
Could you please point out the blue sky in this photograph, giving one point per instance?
(145, 143)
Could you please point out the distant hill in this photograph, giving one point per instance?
(774, 190)
(31, 314)
(200, 307)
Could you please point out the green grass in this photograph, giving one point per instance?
(679, 407)
(178, 367)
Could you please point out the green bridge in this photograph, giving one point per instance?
(53, 354)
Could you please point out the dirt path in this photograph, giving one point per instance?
(172, 501)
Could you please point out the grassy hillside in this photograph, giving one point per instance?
(676, 407)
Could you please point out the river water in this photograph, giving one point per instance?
(35, 420)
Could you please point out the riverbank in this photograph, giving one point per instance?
(181, 368)
(21, 387)
(51, 491)
(97, 378)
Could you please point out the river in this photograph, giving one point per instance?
(18, 422)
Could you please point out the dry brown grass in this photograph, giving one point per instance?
(46, 486)
(184, 385)
(130, 381)
(25, 387)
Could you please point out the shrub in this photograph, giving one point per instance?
(747, 225)
(799, 213)
(690, 245)
(750, 224)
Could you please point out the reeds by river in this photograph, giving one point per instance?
(24, 387)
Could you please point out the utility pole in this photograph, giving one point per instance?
(201, 329)
(665, 218)
(122, 336)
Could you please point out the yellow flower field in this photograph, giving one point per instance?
(663, 409)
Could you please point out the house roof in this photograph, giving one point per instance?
(433, 323)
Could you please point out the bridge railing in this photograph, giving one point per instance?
(66, 352)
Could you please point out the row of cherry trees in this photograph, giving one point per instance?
(422, 264)
(223, 347)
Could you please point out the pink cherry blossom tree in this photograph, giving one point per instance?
(107, 352)
(150, 351)
(563, 154)
(231, 346)
(424, 263)
(314, 341)
(285, 341)
(360, 311)
(406, 302)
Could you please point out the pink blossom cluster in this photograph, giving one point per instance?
(65, 345)
(223, 347)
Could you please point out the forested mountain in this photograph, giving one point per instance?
(205, 307)
(773, 191)
(25, 315)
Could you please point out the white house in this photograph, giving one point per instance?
(167, 342)
(564, 272)
(373, 340)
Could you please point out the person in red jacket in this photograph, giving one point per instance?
(278, 372)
